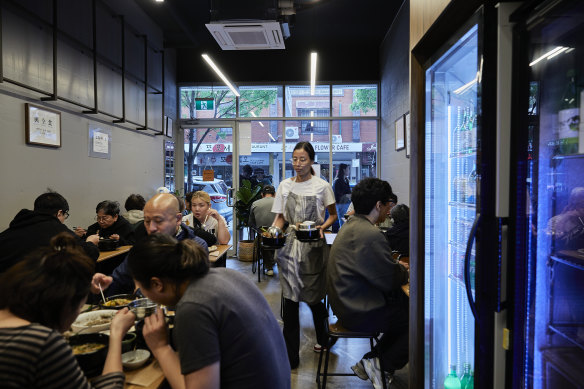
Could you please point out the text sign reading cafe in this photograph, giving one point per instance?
(277, 147)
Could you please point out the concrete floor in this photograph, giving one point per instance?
(344, 354)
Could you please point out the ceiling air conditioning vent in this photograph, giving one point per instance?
(249, 35)
(292, 133)
(337, 139)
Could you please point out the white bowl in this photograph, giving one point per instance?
(135, 359)
(95, 321)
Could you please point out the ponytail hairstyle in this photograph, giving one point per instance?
(49, 284)
(162, 256)
(306, 146)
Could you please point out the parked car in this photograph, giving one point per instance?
(217, 190)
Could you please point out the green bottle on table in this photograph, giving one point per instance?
(451, 381)
(470, 383)
(466, 377)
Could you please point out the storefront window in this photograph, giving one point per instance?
(299, 101)
(206, 102)
(260, 101)
(319, 141)
(355, 100)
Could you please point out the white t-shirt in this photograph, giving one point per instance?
(321, 189)
(210, 224)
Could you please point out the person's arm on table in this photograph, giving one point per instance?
(155, 334)
(121, 323)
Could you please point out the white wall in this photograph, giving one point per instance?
(136, 165)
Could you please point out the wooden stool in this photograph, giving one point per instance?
(335, 331)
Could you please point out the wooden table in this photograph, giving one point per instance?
(114, 253)
(218, 257)
(151, 372)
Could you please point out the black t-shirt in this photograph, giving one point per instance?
(224, 317)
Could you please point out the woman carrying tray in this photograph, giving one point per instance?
(302, 265)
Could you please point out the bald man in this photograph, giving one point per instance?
(161, 215)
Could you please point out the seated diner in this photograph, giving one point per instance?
(109, 225)
(208, 218)
(41, 297)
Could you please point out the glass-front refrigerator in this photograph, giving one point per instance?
(451, 210)
(464, 208)
(548, 323)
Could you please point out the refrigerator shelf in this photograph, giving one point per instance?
(572, 333)
(462, 205)
(567, 362)
(570, 156)
(459, 281)
(459, 247)
(464, 154)
(571, 258)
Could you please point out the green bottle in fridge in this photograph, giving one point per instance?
(451, 381)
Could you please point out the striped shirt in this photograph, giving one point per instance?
(34, 356)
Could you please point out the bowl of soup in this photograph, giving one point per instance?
(117, 301)
(90, 350)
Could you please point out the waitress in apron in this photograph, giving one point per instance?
(302, 265)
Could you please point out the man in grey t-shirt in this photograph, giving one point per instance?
(261, 215)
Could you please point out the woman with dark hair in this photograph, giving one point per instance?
(342, 191)
(134, 208)
(41, 296)
(110, 224)
(302, 265)
(224, 328)
(398, 235)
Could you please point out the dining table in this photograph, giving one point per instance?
(149, 376)
(218, 255)
(109, 260)
(105, 255)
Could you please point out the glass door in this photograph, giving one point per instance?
(208, 166)
(450, 210)
(551, 313)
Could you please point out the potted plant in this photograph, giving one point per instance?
(245, 197)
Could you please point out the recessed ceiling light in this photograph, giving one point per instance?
(220, 74)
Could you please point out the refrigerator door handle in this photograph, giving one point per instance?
(471, 238)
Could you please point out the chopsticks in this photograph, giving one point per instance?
(101, 290)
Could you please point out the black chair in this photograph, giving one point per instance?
(257, 259)
(335, 331)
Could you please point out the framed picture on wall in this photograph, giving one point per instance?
(399, 133)
(408, 142)
(42, 126)
(168, 127)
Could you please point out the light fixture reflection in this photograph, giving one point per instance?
(551, 54)
(312, 73)
(254, 115)
(221, 75)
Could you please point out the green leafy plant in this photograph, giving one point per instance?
(245, 197)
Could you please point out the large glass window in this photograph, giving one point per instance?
(351, 144)
(299, 100)
(206, 102)
(260, 101)
(355, 100)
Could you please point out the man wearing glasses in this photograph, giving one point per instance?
(31, 229)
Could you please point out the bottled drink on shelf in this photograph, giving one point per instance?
(568, 117)
(451, 381)
(465, 378)
(456, 134)
(470, 383)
